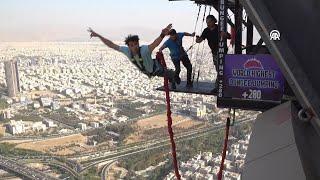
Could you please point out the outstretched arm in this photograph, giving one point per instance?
(199, 39)
(157, 41)
(162, 47)
(203, 36)
(104, 40)
(188, 34)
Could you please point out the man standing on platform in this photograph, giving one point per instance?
(177, 53)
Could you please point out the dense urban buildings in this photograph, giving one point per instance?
(84, 100)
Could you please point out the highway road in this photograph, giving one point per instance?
(115, 155)
(22, 170)
(105, 156)
(105, 170)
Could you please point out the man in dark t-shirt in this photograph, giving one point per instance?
(211, 33)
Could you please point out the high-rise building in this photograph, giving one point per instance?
(12, 78)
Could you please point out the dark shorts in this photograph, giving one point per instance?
(158, 69)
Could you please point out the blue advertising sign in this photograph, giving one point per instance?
(252, 77)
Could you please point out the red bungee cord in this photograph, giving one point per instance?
(160, 57)
(224, 149)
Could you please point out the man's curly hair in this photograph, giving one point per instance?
(131, 38)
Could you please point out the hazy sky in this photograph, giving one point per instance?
(50, 20)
